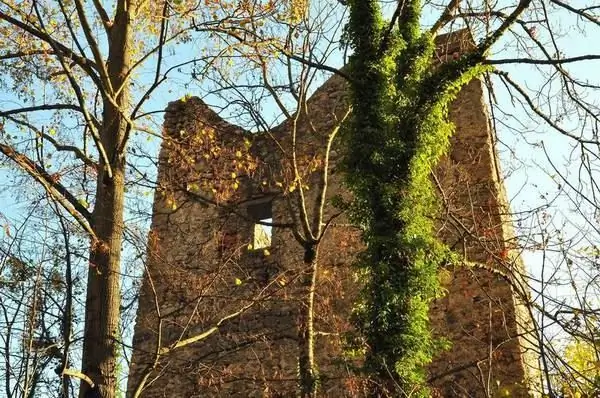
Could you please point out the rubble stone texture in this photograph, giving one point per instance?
(201, 269)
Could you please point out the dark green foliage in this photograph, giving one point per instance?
(398, 133)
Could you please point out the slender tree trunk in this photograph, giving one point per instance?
(102, 314)
(306, 333)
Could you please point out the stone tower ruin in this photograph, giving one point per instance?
(222, 294)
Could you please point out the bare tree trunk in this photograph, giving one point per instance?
(306, 333)
(103, 298)
(103, 293)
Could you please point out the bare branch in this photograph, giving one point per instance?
(103, 15)
(537, 111)
(48, 107)
(79, 375)
(580, 12)
(20, 54)
(557, 61)
(445, 17)
(280, 49)
(86, 64)
(52, 186)
(87, 31)
(59, 147)
(497, 34)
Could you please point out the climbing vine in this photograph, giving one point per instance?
(393, 143)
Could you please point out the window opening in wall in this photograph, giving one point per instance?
(262, 232)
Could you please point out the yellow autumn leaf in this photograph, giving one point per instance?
(192, 187)
(238, 281)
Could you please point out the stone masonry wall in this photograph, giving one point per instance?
(200, 268)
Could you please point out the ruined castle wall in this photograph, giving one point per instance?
(201, 269)
(478, 313)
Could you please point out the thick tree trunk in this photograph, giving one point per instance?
(306, 333)
(101, 335)
(103, 292)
